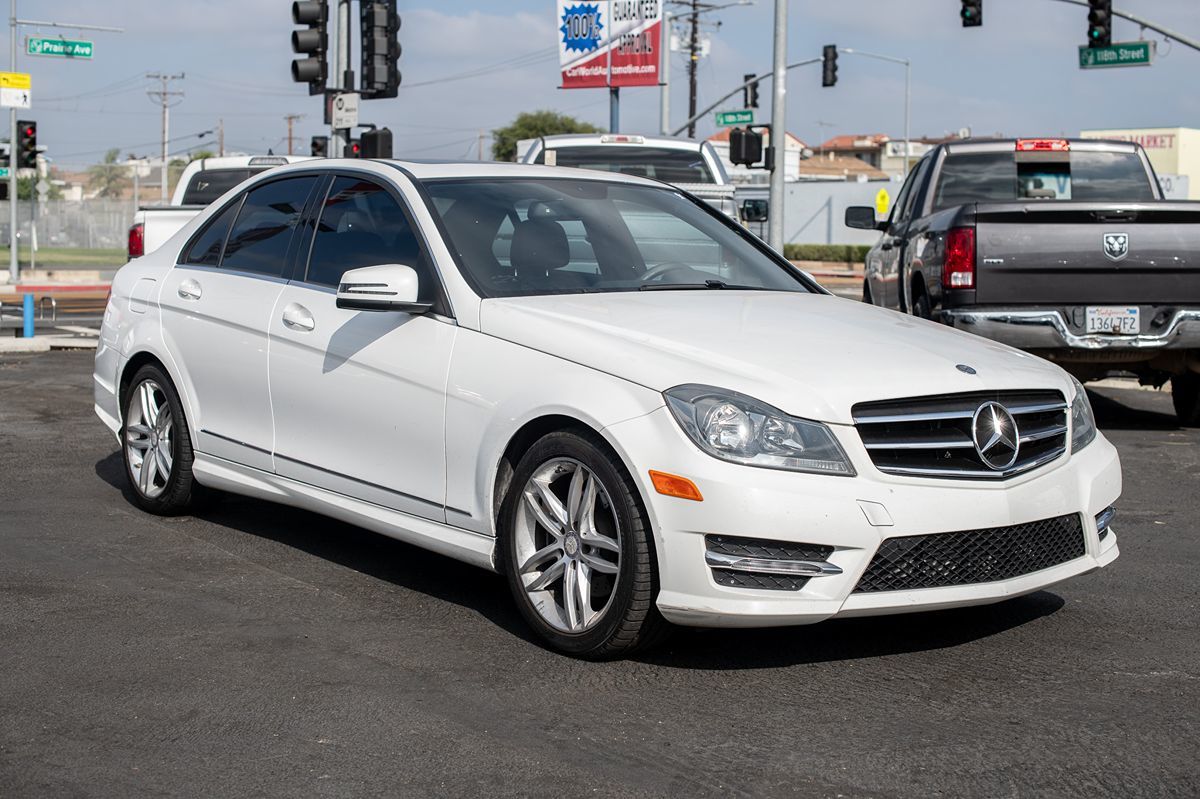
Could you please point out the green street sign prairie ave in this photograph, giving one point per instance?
(62, 48)
(1124, 54)
(733, 118)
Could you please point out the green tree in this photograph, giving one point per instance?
(530, 125)
(196, 156)
(108, 178)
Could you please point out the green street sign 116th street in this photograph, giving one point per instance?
(62, 48)
(734, 118)
(1124, 54)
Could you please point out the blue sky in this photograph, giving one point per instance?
(1017, 74)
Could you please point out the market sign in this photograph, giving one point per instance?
(62, 48)
(1123, 54)
(609, 43)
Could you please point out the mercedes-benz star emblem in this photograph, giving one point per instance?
(994, 431)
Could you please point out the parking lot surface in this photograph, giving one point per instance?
(256, 650)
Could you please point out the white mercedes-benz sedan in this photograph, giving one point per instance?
(600, 388)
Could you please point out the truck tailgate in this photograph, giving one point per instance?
(1075, 253)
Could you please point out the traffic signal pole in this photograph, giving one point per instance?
(778, 129)
(13, 268)
(339, 138)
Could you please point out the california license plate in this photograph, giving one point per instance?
(1113, 319)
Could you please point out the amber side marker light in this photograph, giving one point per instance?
(672, 485)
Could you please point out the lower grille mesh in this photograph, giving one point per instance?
(973, 556)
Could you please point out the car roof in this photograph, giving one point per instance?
(424, 170)
(565, 140)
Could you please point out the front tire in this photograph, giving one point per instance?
(575, 547)
(156, 446)
(1185, 394)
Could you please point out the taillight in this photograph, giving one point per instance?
(137, 241)
(958, 267)
(1043, 145)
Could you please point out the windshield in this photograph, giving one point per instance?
(209, 184)
(660, 163)
(515, 238)
(1008, 177)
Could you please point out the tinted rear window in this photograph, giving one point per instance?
(669, 166)
(209, 184)
(1083, 176)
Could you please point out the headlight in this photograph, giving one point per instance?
(739, 429)
(1083, 423)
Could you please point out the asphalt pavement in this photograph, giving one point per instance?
(256, 650)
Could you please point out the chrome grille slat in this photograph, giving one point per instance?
(932, 436)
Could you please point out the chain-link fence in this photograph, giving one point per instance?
(62, 223)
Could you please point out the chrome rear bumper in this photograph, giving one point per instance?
(1047, 329)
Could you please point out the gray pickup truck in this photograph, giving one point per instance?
(1061, 247)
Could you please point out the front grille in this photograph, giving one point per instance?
(972, 556)
(934, 436)
(766, 550)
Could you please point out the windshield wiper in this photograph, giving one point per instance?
(712, 283)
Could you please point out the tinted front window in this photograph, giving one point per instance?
(1009, 176)
(524, 237)
(669, 166)
(206, 248)
(362, 225)
(209, 184)
(260, 236)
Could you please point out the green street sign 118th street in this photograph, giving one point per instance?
(734, 118)
(62, 48)
(1123, 54)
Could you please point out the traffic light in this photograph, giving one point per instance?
(312, 42)
(376, 143)
(354, 149)
(829, 65)
(380, 49)
(26, 144)
(745, 146)
(972, 13)
(750, 93)
(320, 146)
(1099, 23)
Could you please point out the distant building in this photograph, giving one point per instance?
(880, 150)
(793, 155)
(801, 163)
(1174, 153)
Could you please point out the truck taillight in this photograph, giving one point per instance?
(137, 241)
(1043, 145)
(958, 267)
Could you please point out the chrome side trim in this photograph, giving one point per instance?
(806, 568)
(1047, 329)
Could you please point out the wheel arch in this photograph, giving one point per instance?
(147, 357)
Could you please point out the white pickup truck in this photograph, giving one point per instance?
(202, 181)
(690, 165)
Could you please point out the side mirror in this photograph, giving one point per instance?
(755, 210)
(861, 217)
(389, 287)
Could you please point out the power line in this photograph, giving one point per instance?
(163, 96)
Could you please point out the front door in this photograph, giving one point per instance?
(216, 305)
(359, 396)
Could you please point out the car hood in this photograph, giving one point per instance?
(810, 355)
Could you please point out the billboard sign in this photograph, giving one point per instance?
(609, 42)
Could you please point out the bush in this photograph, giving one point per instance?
(850, 253)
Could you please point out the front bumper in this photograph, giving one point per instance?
(1037, 329)
(854, 515)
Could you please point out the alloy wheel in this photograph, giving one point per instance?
(149, 435)
(568, 545)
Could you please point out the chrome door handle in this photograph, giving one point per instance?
(190, 290)
(297, 317)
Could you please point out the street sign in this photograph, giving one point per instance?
(62, 48)
(883, 201)
(43, 188)
(14, 89)
(345, 111)
(3, 173)
(1122, 54)
(731, 119)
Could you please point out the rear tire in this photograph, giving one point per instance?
(1185, 394)
(921, 307)
(575, 547)
(867, 292)
(156, 446)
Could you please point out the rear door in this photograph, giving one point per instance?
(216, 304)
(359, 396)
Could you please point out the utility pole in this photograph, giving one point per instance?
(163, 97)
(693, 64)
(778, 129)
(221, 137)
(343, 78)
(291, 118)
